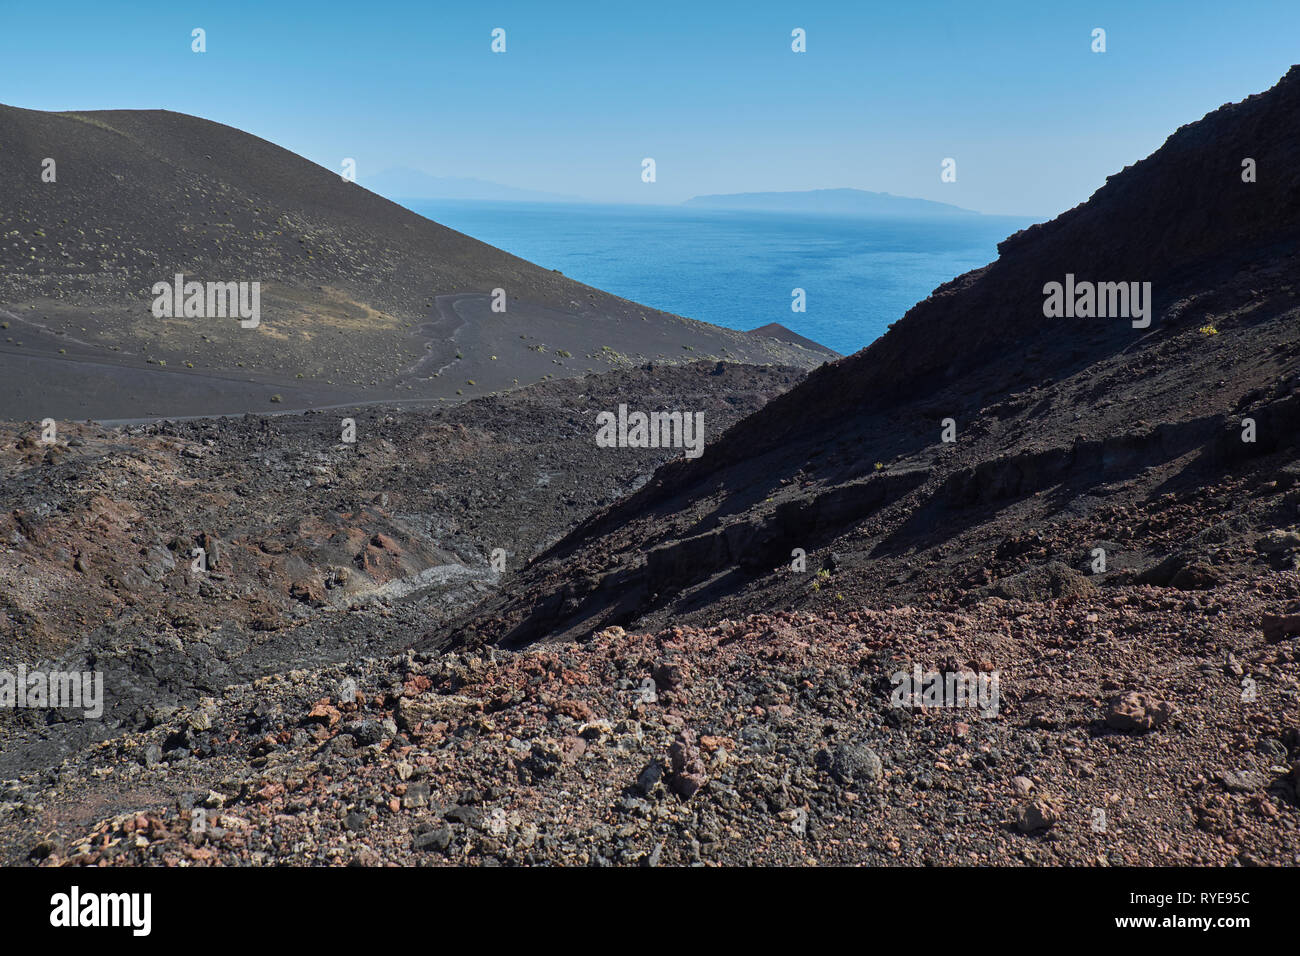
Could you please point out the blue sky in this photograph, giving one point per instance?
(710, 90)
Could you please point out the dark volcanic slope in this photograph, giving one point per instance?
(361, 298)
(778, 331)
(1086, 427)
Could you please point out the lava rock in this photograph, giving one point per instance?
(1037, 815)
(1137, 711)
(438, 839)
(856, 763)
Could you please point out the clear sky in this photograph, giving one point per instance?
(711, 90)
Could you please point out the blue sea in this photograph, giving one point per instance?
(738, 269)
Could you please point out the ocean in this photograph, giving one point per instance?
(738, 268)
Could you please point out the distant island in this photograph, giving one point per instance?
(840, 202)
(405, 183)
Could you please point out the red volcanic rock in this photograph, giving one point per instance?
(1137, 711)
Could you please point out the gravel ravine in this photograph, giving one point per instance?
(321, 552)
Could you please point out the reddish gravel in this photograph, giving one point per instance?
(485, 757)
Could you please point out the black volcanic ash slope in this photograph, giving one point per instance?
(1072, 433)
(361, 298)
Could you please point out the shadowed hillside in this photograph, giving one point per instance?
(1077, 427)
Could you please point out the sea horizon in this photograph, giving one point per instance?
(740, 268)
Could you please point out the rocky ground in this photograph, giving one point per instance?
(314, 550)
(1139, 726)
